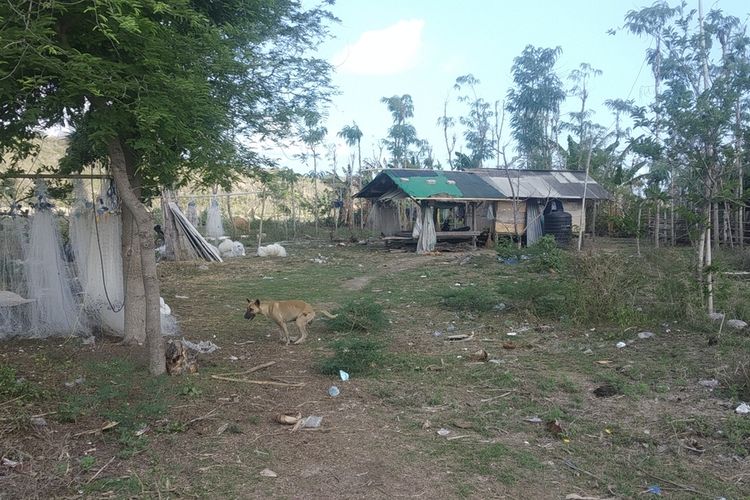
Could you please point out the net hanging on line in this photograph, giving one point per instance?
(15, 308)
(54, 310)
(214, 226)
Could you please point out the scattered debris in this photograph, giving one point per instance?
(694, 446)
(78, 381)
(426, 424)
(333, 391)
(268, 473)
(443, 432)
(10, 463)
(344, 376)
(90, 340)
(273, 250)
(181, 297)
(143, 430)
(499, 307)
(709, 384)
(654, 490)
(588, 351)
(203, 347)
(604, 362)
(620, 345)
(554, 427)
(533, 420)
(509, 345)
(716, 316)
(38, 421)
(460, 337)
(463, 424)
(481, 355)
(320, 259)
(606, 391)
(511, 334)
(203, 267)
(105, 427)
(736, 324)
(465, 260)
(437, 333)
(289, 418)
(645, 335)
(743, 409)
(312, 422)
(576, 496)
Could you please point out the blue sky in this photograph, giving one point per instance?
(419, 47)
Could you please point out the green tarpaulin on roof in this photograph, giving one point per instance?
(420, 187)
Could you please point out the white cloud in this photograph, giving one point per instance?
(387, 51)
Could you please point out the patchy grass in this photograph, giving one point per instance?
(198, 436)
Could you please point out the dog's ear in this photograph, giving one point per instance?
(257, 302)
(248, 301)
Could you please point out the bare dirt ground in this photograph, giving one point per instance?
(197, 436)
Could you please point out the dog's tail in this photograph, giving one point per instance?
(327, 314)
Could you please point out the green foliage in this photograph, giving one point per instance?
(534, 103)
(359, 316)
(357, 356)
(547, 297)
(87, 462)
(11, 386)
(506, 248)
(546, 255)
(172, 82)
(468, 299)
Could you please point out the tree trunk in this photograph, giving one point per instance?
(727, 219)
(715, 223)
(638, 229)
(262, 214)
(657, 229)
(231, 219)
(701, 258)
(710, 275)
(741, 179)
(135, 297)
(583, 203)
(672, 237)
(145, 223)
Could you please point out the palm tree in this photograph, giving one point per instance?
(352, 135)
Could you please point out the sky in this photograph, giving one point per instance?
(419, 47)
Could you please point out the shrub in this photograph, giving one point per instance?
(546, 255)
(356, 356)
(468, 299)
(359, 316)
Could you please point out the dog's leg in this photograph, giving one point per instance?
(302, 322)
(284, 333)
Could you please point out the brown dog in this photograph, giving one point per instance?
(283, 312)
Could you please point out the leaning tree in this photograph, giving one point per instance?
(161, 91)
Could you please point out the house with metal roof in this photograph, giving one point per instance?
(466, 204)
(531, 191)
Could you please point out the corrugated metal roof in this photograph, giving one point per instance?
(483, 184)
(562, 184)
(431, 184)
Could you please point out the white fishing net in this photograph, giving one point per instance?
(214, 226)
(55, 311)
(192, 212)
(103, 286)
(15, 307)
(428, 237)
